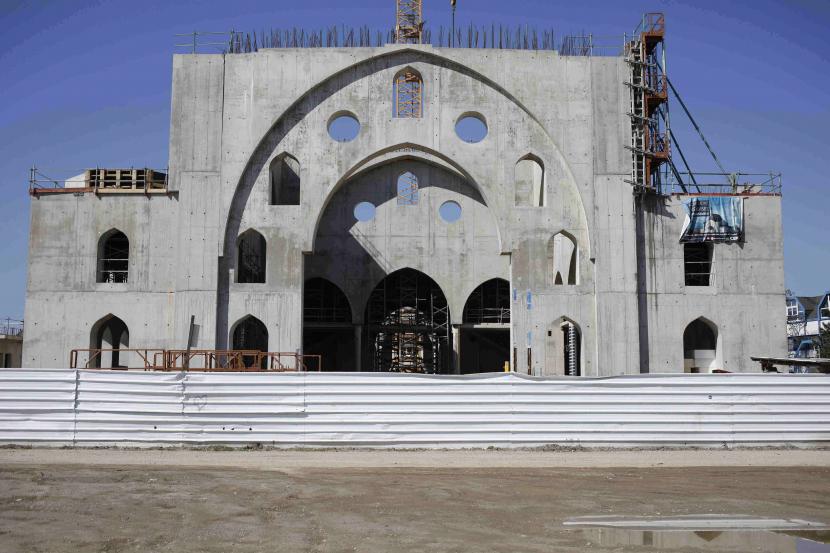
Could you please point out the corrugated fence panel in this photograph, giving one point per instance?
(129, 406)
(388, 410)
(243, 408)
(37, 406)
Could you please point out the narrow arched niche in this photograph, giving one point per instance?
(284, 174)
(408, 95)
(113, 264)
(563, 256)
(529, 179)
(251, 258)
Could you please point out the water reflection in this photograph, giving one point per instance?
(708, 540)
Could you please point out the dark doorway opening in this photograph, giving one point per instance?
(485, 334)
(407, 325)
(327, 327)
(110, 333)
(251, 335)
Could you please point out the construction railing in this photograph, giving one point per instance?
(197, 360)
(98, 181)
(150, 359)
(726, 184)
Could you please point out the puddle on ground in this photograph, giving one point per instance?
(692, 533)
(737, 541)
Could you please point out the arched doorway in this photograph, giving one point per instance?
(563, 348)
(327, 327)
(485, 334)
(250, 334)
(407, 325)
(700, 346)
(112, 335)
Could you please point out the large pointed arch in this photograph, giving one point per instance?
(408, 324)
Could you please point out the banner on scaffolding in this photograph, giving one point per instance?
(713, 219)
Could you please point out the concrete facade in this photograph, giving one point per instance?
(234, 115)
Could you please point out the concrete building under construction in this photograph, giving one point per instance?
(412, 203)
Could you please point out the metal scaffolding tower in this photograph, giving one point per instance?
(410, 22)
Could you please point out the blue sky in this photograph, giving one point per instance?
(87, 84)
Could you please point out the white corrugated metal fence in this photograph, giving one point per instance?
(93, 407)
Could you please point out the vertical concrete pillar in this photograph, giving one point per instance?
(358, 347)
(456, 348)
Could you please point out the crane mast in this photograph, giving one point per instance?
(410, 21)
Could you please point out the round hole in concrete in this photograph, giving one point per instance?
(364, 211)
(450, 211)
(471, 127)
(344, 126)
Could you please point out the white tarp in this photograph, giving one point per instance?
(88, 407)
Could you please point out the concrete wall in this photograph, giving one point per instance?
(232, 115)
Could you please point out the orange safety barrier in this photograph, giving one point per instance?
(200, 360)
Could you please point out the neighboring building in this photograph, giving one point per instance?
(806, 316)
(337, 201)
(11, 343)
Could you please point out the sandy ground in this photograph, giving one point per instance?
(62, 500)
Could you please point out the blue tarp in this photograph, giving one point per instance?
(713, 219)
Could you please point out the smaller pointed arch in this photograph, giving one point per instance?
(489, 303)
(563, 348)
(701, 351)
(563, 256)
(113, 261)
(325, 302)
(407, 186)
(251, 257)
(109, 335)
(408, 94)
(284, 173)
(529, 178)
(250, 334)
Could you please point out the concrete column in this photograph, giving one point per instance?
(456, 349)
(358, 349)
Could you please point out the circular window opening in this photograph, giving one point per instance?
(471, 127)
(450, 211)
(364, 211)
(343, 127)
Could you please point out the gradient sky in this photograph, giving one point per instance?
(87, 84)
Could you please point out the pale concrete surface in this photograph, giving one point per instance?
(276, 460)
(233, 115)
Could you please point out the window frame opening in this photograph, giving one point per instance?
(408, 91)
(564, 266)
(250, 246)
(113, 261)
(529, 192)
(285, 180)
(407, 189)
(698, 262)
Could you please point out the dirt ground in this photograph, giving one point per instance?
(59, 501)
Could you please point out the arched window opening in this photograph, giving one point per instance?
(251, 335)
(530, 182)
(109, 335)
(324, 302)
(408, 94)
(697, 264)
(700, 347)
(113, 257)
(251, 258)
(563, 348)
(285, 181)
(408, 189)
(565, 258)
(327, 328)
(408, 324)
(489, 303)
(485, 333)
